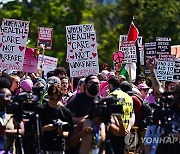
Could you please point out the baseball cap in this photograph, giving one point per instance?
(126, 87)
(81, 81)
(142, 86)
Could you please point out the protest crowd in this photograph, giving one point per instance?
(82, 110)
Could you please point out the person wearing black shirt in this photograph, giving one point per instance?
(50, 113)
(80, 104)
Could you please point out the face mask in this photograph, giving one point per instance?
(93, 89)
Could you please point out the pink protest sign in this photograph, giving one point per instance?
(118, 57)
(30, 60)
(45, 37)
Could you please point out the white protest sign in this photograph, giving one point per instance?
(13, 38)
(129, 50)
(124, 38)
(165, 68)
(82, 50)
(50, 63)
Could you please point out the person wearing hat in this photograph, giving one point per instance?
(26, 85)
(143, 88)
(80, 86)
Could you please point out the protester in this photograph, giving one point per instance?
(143, 88)
(128, 117)
(80, 87)
(15, 87)
(65, 90)
(60, 72)
(81, 104)
(50, 114)
(10, 125)
(26, 85)
(92, 133)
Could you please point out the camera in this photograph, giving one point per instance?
(24, 104)
(106, 107)
(65, 126)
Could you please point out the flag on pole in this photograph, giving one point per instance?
(125, 71)
(132, 36)
(133, 33)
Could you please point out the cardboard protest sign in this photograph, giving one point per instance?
(82, 50)
(163, 46)
(50, 63)
(13, 38)
(45, 37)
(165, 67)
(177, 70)
(30, 60)
(150, 52)
(129, 50)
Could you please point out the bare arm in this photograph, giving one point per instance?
(116, 127)
(130, 124)
(20, 130)
(158, 89)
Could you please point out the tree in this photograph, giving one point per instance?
(153, 18)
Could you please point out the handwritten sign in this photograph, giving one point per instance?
(150, 52)
(13, 38)
(163, 46)
(165, 67)
(129, 50)
(50, 63)
(45, 37)
(30, 60)
(82, 50)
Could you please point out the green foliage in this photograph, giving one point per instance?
(153, 18)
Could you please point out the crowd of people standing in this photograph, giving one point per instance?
(69, 118)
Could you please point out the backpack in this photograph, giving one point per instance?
(146, 111)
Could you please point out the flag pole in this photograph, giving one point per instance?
(42, 62)
(130, 76)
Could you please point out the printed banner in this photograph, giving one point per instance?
(165, 67)
(124, 38)
(129, 50)
(13, 38)
(45, 37)
(30, 60)
(82, 53)
(50, 63)
(163, 46)
(150, 52)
